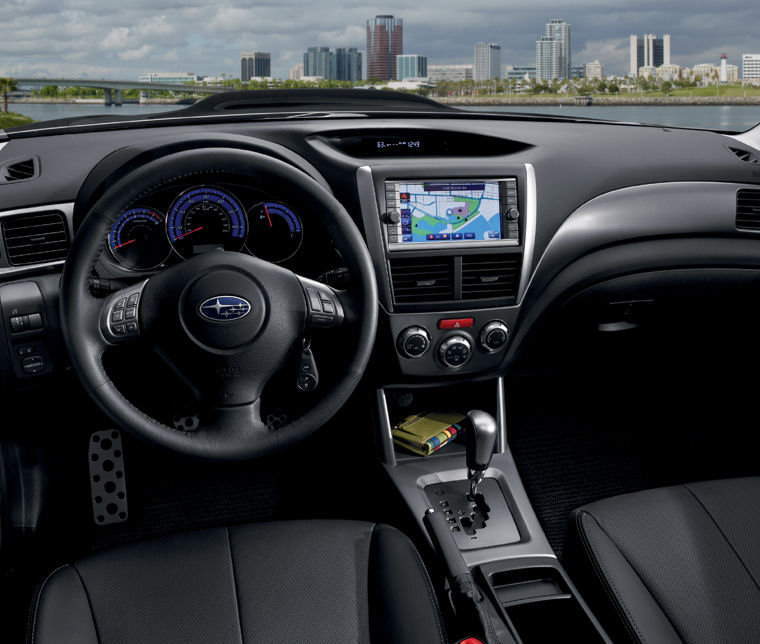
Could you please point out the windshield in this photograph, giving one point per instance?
(696, 65)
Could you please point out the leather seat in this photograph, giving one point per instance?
(299, 581)
(676, 564)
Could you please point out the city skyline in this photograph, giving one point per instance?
(86, 39)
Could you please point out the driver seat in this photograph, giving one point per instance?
(294, 581)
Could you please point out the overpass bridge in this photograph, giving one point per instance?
(114, 88)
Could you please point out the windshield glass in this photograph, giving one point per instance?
(684, 64)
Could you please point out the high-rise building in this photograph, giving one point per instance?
(547, 59)
(648, 51)
(255, 64)
(348, 64)
(560, 31)
(751, 66)
(411, 66)
(487, 61)
(594, 71)
(453, 73)
(296, 72)
(385, 41)
(319, 61)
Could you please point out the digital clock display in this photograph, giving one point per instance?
(392, 145)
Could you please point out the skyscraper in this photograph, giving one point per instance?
(411, 66)
(487, 61)
(648, 51)
(385, 41)
(257, 63)
(319, 61)
(348, 64)
(560, 31)
(547, 59)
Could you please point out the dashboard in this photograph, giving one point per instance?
(476, 224)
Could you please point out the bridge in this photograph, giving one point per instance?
(114, 88)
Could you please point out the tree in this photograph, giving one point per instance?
(7, 85)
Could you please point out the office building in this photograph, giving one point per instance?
(296, 72)
(449, 73)
(319, 61)
(257, 64)
(170, 78)
(520, 72)
(411, 66)
(560, 31)
(648, 51)
(487, 62)
(751, 66)
(594, 71)
(385, 41)
(547, 59)
(348, 64)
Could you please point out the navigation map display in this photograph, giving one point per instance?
(447, 211)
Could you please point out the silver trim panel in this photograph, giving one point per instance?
(750, 137)
(68, 212)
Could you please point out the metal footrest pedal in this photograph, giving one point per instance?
(108, 489)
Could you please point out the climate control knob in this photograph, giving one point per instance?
(494, 336)
(413, 342)
(454, 351)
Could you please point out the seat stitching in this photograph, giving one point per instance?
(89, 603)
(723, 534)
(602, 575)
(429, 587)
(234, 585)
(38, 596)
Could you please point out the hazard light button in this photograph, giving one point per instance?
(456, 323)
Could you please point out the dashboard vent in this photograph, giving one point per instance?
(748, 209)
(422, 279)
(490, 276)
(745, 155)
(19, 170)
(35, 239)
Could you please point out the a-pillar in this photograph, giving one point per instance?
(107, 96)
(117, 99)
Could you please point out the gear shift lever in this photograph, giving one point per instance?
(480, 438)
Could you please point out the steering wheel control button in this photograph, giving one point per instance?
(323, 307)
(117, 315)
(120, 303)
(494, 336)
(456, 323)
(108, 489)
(413, 342)
(455, 351)
(123, 306)
(132, 299)
(131, 328)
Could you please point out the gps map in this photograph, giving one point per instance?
(444, 211)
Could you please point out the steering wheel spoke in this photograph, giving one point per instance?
(324, 304)
(120, 319)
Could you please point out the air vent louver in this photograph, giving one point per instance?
(422, 279)
(35, 239)
(19, 170)
(490, 276)
(745, 155)
(748, 209)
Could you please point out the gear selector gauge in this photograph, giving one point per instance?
(276, 231)
(205, 218)
(137, 239)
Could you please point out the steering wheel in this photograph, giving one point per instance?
(224, 321)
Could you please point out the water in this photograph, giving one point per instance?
(736, 118)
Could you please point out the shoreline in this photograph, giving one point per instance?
(598, 101)
(95, 101)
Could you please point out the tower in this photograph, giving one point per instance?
(723, 68)
(385, 41)
(560, 31)
(487, 62)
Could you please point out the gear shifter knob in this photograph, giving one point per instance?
(480, 438)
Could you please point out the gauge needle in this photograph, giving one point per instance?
(269, 219)
(190, 232)
(131, 241)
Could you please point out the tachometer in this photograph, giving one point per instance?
(276, 231)
(205, 218)
(137, 239)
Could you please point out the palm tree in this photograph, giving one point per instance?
(7, 85)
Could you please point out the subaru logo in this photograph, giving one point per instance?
(225, 308)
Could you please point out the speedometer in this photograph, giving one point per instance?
(205, 218)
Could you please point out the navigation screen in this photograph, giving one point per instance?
(445, 211)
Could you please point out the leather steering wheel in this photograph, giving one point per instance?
(226, 348)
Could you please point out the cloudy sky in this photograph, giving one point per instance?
(107, 39)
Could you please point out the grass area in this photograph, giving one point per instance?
(10, 119)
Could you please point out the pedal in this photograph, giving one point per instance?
(108, 489)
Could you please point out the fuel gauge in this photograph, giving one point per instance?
(276, 231)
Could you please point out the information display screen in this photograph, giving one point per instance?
(432, 212)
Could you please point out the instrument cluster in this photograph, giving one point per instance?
(170, 226)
